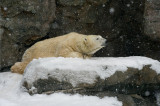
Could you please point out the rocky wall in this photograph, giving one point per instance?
(122, 22)
(152, 19)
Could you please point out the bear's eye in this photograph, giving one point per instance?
(97, 39)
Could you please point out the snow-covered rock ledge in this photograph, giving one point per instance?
(96, 74)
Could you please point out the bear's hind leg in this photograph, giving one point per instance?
(19, 67)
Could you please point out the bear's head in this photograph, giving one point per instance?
(93, 43)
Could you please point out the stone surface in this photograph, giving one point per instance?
(27, 20)
(134, 81)
(10, 51)
(21, 23)
(71, 2)
(152, 19)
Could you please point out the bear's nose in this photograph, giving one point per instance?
(104, 42)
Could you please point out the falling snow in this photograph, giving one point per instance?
(103, 5)
(5, 8)
(111, 10)
(128, 5)
(147, 93)
(7, 19)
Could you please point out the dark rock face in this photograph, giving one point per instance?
(124, 23)
(22, 22)
(152, 19)
(134, 81)
(27, 20)
(10, 50)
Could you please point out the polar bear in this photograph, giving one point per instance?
(69, 45)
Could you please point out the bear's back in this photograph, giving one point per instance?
(45, 48)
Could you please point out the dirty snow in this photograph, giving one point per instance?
(11, 95)
(76, 71)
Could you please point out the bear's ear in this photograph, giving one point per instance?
(85, 39)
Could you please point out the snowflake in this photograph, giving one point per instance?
(5, 8)
(112, 10)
